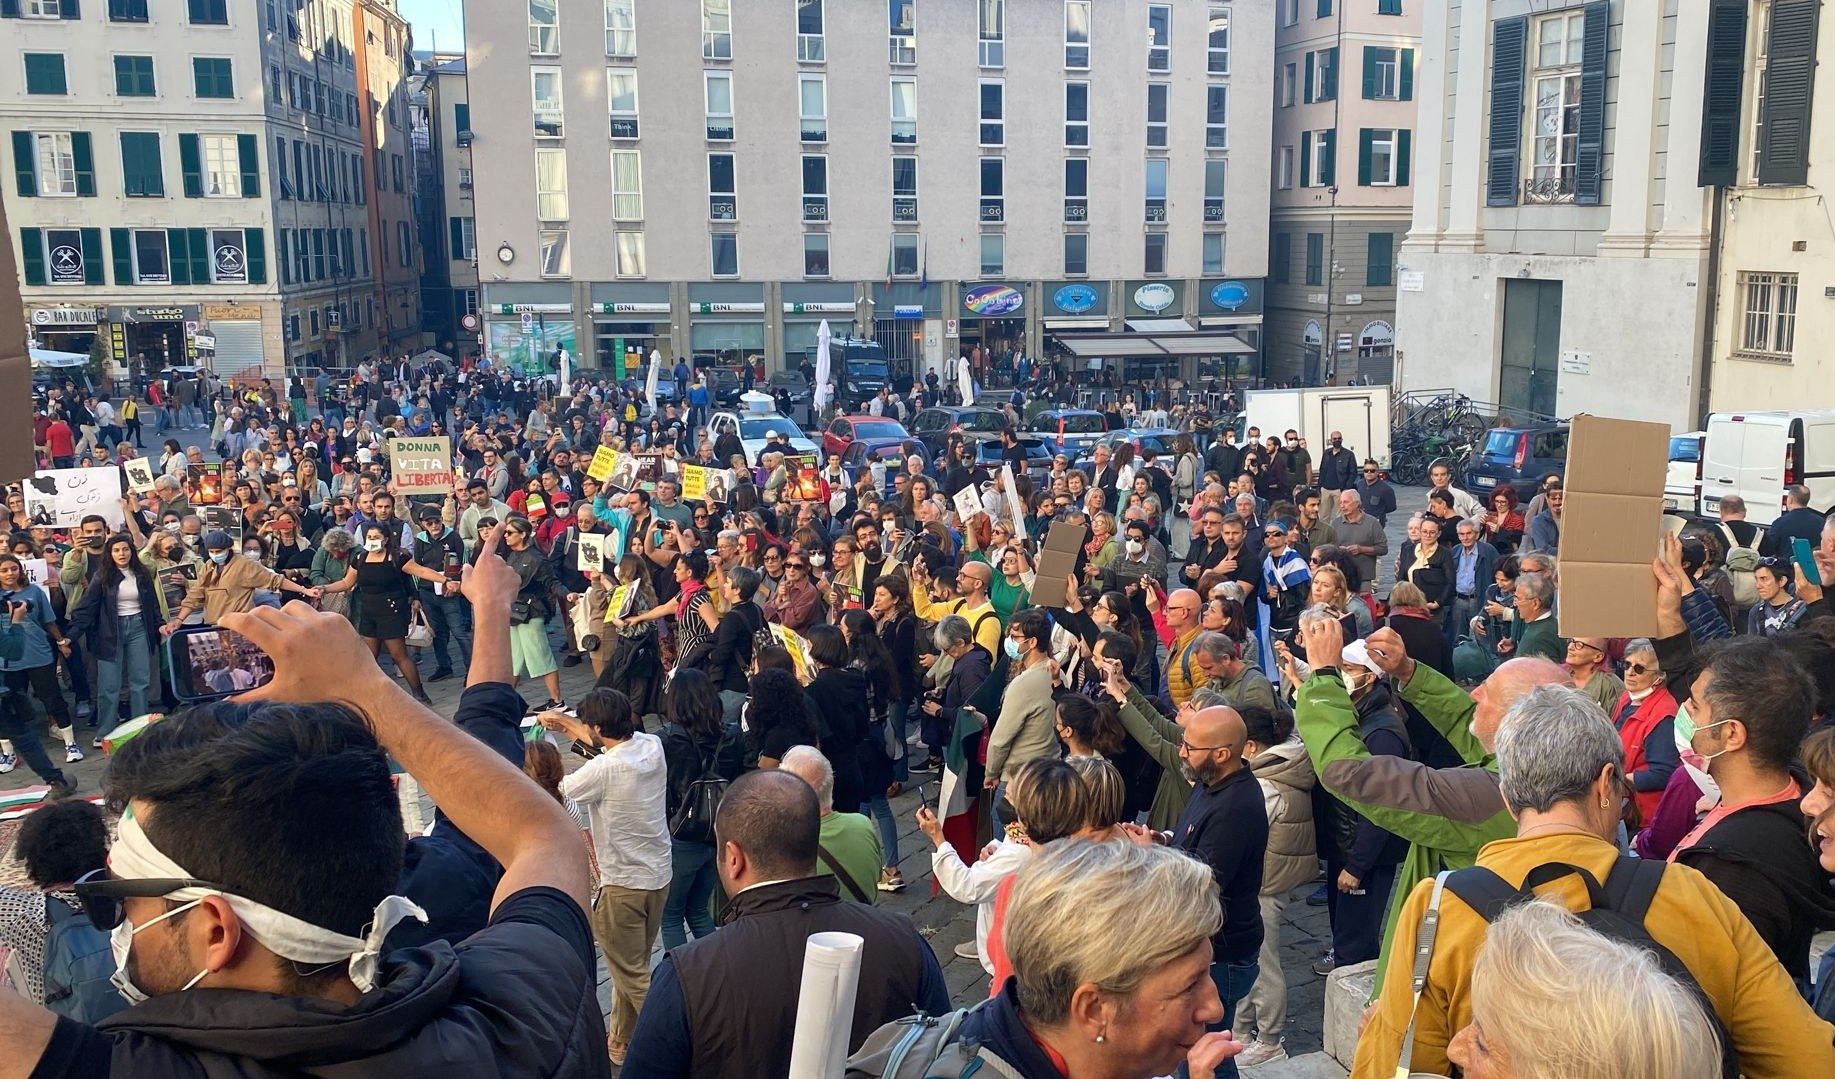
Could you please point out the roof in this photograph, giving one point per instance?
(1155, 344)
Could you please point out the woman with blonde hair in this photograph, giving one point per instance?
(1334, 592)
(1553, 999)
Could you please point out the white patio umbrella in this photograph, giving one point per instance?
(656, 369)
(965, 379)
(819, 396)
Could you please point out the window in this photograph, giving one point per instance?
(1077, 189)
(1290, 12)
(1154, 255)
(209, 12)
(904, 254)
(127, 10)
(1216, 117)
(228, 257)
(1771, 314)
(1159, 37)
(1383, 73)
(1379, 262)
(1322, 75)
(467, 300)
(719, 106)
(557, 260)
(141, 174)
(993, 189)
(1315, 258)
(465, 238)
(812, 93)
(809, 48)
(1156, 115)
(725, 251)
(42, 9)
(621, 28)
(905, 190)
(1388, 7)
(1214, 170)
(1076, 114)
(815, 254)
(1555, 131)
(1156, 190)
(1076, 254)
(630, 250)
(627, 185)
(464, 179)
(276, 88)
(1289, 81)
(134, 76)
(551, 185)
(222, 167)
(1218, 46)
(544, 27)
(993, 112)
(1077, 34)
(717, 29)
(545, 86)
(993, 254)
(1325, 9)
(1382, 157)
(1213, 253)
(394, 171)
(621, 99)
(902, 21)
(815, 187)
(722, 196)
(44, 73)
(993, 32)
(211, 77)
(904, 111)
(1323, 152)
(313, 316)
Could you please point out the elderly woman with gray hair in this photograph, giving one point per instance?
(1560, 771)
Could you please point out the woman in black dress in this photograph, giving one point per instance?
(385, 598)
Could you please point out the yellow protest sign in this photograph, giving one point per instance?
(694, 483)
(621, 599)
(604, 459)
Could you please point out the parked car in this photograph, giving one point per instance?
(1519, 457)
(1068, 431)
(724, 387)
(876, 431)
(757, 421)
(988, 454)
(1756, 455)
(862, 455)
(1157, 439)
(1682, 486)
(933, 426)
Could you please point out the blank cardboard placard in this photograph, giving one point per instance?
(1612, 512)
(16, 459)
(1057, 563)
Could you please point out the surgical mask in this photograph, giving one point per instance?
(818, 560)
(1691, 760)
(121, 942)
(254, 556)
(1012, 648)
(172, 527)
(1685, 736)
(219, 557)
(373, 545)
(1136, 546)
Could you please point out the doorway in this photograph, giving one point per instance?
(1531, 347)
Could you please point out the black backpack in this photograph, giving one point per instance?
(693, 819)
(1617, 910)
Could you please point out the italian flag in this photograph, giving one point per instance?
(959, 796)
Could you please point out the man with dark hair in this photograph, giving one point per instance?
(277, 815)
(58, 843)
(1799, 521)
(1374, 492)
(700, 1020)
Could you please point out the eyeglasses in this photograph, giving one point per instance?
(1639, 668)
(774, 558)
(101, 895)
(804, 566)
(1582, 644)
(1187, 747)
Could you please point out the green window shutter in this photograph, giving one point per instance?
(1306, 159)
(1405, 79)
(248, 154)
(1721, 94)
(1307, 90)
(140, 165)
(457, 235)
(461, 117)
(255, 253)
(1381, 258)
(121, 245)
(84, 155)
(9, 9)
(70, 10)
(1369, 72)
(25, 164)
(1790, 72)
(1508, 38)
(1404, 149)
(91, 241)
(32, 256)
(1365, 140)
(283, 255)
(1281, 267)
(44, 73)
(200, 256)
(1590, 146)
(190, 162)
(1315, 258)
(1328, 159)
(177, 243)
(1328, 74)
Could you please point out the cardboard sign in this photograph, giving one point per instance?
(206, 484)
(62, 497)
(590, 555)
(1057, 563)
(1015, 507)
(802, 480)
(139, 475)
(717, 482)
(421, 466)
(694, 483)
(604, 459)
(1612, 512)
(968, 504)
(649, 469)
(37, 570)
(624, 472)
(623, 597)
(223, 518)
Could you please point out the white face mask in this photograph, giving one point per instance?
(121, 942)
(818, 560)
(252, 555)
(373, 545)
(1135, 546)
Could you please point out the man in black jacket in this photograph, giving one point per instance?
(1337, 471)
(725, 1005)
(438, 547)
(1799, 521)
(1224, 457)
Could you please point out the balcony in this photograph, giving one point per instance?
(1549, 189)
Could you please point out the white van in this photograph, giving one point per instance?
(1756, 455)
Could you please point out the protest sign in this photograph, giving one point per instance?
(590, 557)
(37, 570)
(223, 518)
(1611, 516)
(716, 485)
(1057, 563)
(62, 497)
(798, 649)
(139, 475)
(421, 466)
(649, 470)
(1014, 506)
(604, 459)
(206, 484)
(968, 504)
(694, 483)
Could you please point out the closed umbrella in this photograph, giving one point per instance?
(656, 367)
(819, 398)
(966, 381)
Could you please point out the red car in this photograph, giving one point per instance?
(876, 431)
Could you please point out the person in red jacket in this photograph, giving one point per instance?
(60, 442)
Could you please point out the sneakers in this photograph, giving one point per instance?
(571, 659)
(96, 742)
(440, 676)
(57, 792)
(1318, 898)
(71, 753)
(8, 762)
(1261, 1052)
(1326, 963)
(891, 880)
(968, 950)
(552, 706)
(931, 764)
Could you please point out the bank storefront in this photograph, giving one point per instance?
(630, 320)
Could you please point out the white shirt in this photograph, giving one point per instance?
(979, 883)
(623, 791)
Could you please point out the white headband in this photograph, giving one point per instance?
(134, 857)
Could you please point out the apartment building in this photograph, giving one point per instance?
(449, 249)
(716, 178)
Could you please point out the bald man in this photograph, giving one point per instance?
(1446, 814)
(972, 582)
(1225, 826)
(1182, 671)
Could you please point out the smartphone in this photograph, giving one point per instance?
(209, 663)
(1806, 557)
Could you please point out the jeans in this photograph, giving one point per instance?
(899, 717)
(690, 889)
(133, 658)
(880, 810)
(42, 681)
(450, 618)
(1233, 981)
(732, 702)
(1459, 615)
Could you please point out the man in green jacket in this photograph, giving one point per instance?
(1446, 814)
(1157, 735)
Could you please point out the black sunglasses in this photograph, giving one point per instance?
(101, 895)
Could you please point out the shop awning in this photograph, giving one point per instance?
(1150, 344)
(1091, 323)
(1159, 325)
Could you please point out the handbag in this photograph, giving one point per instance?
(420, 631)
(521, 611)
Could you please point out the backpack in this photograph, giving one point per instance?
(693, 819)
(1617, 910)
(78, 966)
(764, 635)
(1740, 562)
(916, 1047)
